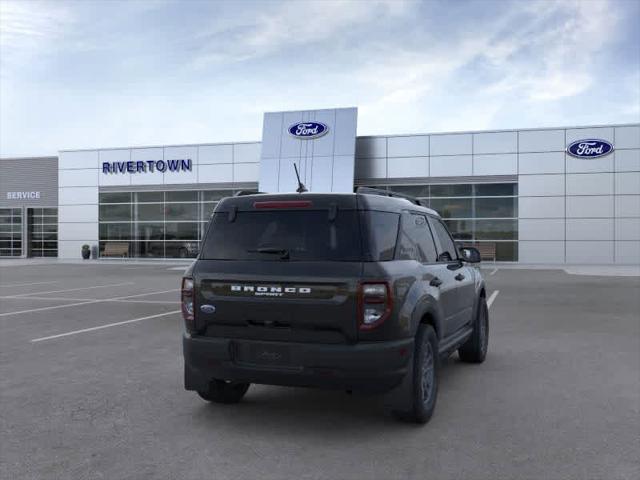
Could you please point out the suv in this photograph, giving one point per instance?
(360, 292)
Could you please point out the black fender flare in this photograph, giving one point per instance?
(400, 398)
(428, 306)
(480, 287)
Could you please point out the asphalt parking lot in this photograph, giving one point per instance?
(91, 387)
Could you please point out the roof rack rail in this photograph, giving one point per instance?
(389, 193)
(242, 193)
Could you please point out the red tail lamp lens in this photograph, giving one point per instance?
(375, 304)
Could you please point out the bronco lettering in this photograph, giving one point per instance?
(269, 290)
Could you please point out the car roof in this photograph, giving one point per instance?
(345, 201)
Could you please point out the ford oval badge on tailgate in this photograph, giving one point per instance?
(207, 309)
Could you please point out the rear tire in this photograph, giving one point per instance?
(221, 391)
(475, 349)
(425, 376)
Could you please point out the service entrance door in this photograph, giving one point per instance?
(42, 232)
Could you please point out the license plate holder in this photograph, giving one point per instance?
(263, 355)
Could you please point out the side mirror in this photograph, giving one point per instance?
(470, 255)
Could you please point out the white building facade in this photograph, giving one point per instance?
(521, 192)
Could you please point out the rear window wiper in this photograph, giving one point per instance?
(283, 252)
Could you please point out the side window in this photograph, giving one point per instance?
(415, 242)
(383, 231)
(447, 247)
(426, 240)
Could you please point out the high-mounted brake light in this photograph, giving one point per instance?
(186, 302)
(283, 204)
(374, 304)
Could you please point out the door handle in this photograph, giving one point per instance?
(435, 282)
(459, 277)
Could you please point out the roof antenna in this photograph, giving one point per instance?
(301, 188)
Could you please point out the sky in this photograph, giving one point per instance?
(85, 74)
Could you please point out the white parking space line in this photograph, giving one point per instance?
(84, 330)
(158, 302)
(87, 302)
(492, 297)
(56, 299)
(67, 299)
(493, 272)
(144, 294)
(42, 309)
(25, 284)
(75, 289)
(22, 297)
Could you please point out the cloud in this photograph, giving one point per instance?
(530, 53)
(116, 73)
(28, 27)
(552, 57)
(287, 25)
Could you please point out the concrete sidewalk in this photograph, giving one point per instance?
(594, 270)
(17, 262)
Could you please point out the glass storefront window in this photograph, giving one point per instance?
(496, 189)
(496, 207)
(181, 231)
(182, 249)
(461, 190)
(10, 232)
(496, 229)
(115, 231)
(475, 213)
(215, 195)
(460, 229)
(115, 213)
(181, 196)
(507, 251)
(149, 231)
(452, 207)
(116, 197)
(171, 224)
(152, 197)
(157, 224)
(148, 249)
(181, 211)
(149, 212)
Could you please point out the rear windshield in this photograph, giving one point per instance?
(284, 235)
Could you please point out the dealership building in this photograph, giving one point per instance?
(544, 195)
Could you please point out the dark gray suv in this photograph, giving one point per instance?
(360, 292)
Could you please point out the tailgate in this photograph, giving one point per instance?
(280, 301)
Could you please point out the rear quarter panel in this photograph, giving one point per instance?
(413, 298)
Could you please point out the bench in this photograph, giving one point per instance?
(487, 250)
(116, 250)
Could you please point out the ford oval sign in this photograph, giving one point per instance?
(590, 148)
(308, 130)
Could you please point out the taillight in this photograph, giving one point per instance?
(186, 300)
(375, 304)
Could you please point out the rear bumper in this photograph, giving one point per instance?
(372, 367)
